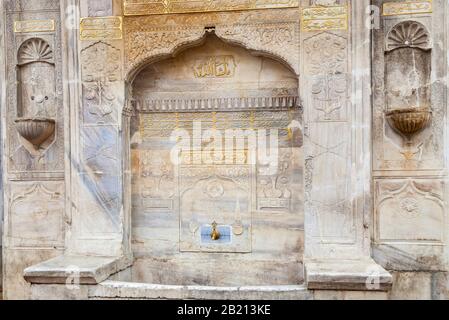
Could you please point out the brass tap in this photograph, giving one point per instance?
(215, 235)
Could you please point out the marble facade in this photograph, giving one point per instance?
(119, 180)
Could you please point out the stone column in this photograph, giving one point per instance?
(97, 241)
(335, 86)
(2, 103)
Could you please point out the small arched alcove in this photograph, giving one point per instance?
(36, 96)
(217, 169)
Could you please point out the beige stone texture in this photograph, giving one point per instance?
(354, 205)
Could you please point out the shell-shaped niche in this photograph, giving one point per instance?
(36, 101)
(35, 50)
(408, 34)
(408, 60)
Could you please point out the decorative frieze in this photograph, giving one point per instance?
(31, 26)
(324, 18)
(150, 7)
(409, 7)
(214, 104)
(101, 28)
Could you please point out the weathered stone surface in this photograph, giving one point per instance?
(89, 172)
(15, 287)
(349, 295)
(124, 290)
(83, 269)
(411, 286)
(59, 292)
(410, 215)
(440, 286)
(347, 275)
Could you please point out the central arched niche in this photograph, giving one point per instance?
(259, 213)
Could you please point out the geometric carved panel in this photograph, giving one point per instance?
(37, 215)
(220, 194)
(409, 211)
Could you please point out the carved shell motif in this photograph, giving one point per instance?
(35, 50)
(408, 34)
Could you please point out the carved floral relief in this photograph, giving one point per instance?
(101, 73)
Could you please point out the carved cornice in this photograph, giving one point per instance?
(156, 7)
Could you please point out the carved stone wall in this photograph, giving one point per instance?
(221, 87)
(87, 113)
(273, 32)
(410, 170)
(99, 179)
(35, 163)
(333, 218)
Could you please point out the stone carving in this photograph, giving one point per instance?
(101, 28)
(410, 207)
(332, 212)
(408, 7)
(408, 34)
(330, 54)
(35, 131)
(35, 50)
(146, 39)
(409, 212)
(156, 180)
(172, 85)
(327, 64)
(32, 26)
(403, 87)
(36, 216)
(101, 73)
(142, 7)
(216, 104)
(37, 92)
(409, 122)
(409, 111)
(327, 139)
(214, 67)
(34, 89)
(220, 194)
(403, 58)
(275, 191)
(141, 46)
(325, 18)
(279, 40)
